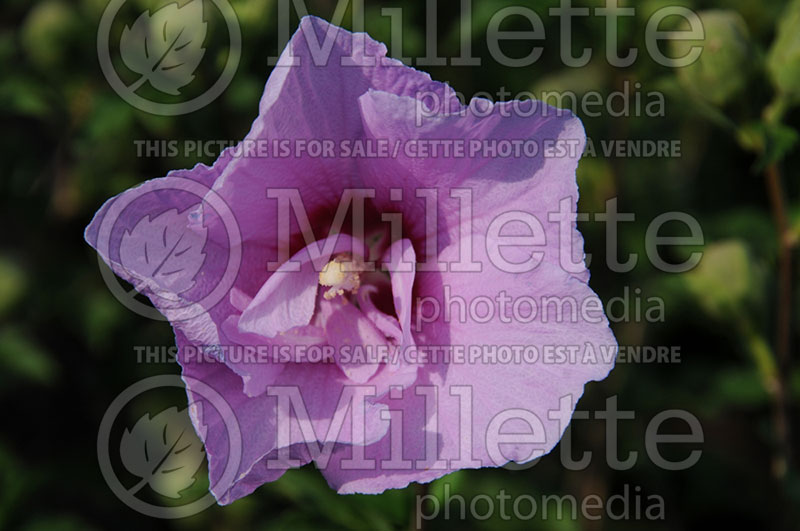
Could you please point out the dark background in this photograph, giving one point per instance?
(67, 345)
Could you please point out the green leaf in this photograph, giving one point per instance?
(22, 358)
(783, 58)
(693, 105)
(26, 97)
(13, 283)
(771, 140)
(46, 33)
(723, 280)
(781, 139)
(724, 66)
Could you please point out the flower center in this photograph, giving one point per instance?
(341, 274)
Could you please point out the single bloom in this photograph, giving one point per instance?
(441, 336)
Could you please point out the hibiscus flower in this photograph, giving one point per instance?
(392, 307)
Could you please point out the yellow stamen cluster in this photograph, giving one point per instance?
(341, 274)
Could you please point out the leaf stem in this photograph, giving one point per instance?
(783, 305)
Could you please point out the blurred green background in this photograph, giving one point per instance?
(66, 344)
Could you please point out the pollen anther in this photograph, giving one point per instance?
(340, 275)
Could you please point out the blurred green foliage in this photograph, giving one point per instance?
(723, 68)
(66, 345)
